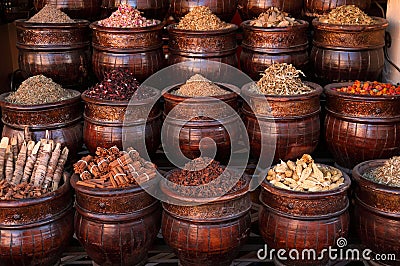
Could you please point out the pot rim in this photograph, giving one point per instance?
(172, 28)
(204, 200)
(266, 185)
(78, 22)
(38, 107)
(245, 91)
(246, 25)
(357, 175)
(382, 24)
(96, 27)
(329, 90)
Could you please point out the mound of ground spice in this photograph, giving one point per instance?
(347, 15)
(50, 14)
(387, 174)
(127, 17)
(199, 86)
(201, 18)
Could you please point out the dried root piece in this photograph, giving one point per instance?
(3, 147)
(14, 148)
(51, 168)
(40, 172)
(60, 168)
(9, 164)
(30, 163)
(19, 165)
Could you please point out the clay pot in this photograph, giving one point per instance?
(292, 120)
(210, 233)
(36, 231)
(314, 8)
(264, 46)
(215, 45)
(62, 120)
(249, 9)
(155, 9)
(83, 9)
(116, 226)
(57, 50)
(348, 52)
(105, 125)
(377, 213)
(136, 49)
(298, 220)
(359, 127)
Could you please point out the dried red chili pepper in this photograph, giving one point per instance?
(374, 88)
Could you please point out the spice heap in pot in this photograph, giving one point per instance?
(201, 18)
(112, 168)
(305, 175)
(127, 17)
(347, 15)
(374, 88)
(273, 17)
(32, 170)
(281, 79)
(39, 90)
(387, 174)
(201, 171)
(199, 86)
(50, 14)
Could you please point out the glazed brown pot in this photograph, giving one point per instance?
(116, 226)
(359, 128)
(314, 8)
(36, 231)
(83, 9)
(215, 45)
(249, 9)
(292, 120)
(210, 233)
(348, 52)
(57, 50)
(136, 49)
(224, 9)
(194, 119)
(62, 120)
(300, 220)
(261, 47)
(155, 9)
(105, 124)
(377, 212)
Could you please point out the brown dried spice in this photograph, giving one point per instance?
(273, 17)
(199, 86)
(347, 15)
(387, 174)
(50, 14)
(200, 18)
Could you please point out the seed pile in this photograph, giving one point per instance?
(388, 174)
(112, 168)
(374, 88)
(200, 18)
(50, 14)
(201, 171)
(281, 79)
(273, 17)
(305, 175)
(39, 90)
(347, 15)
(127, 17)
(199, 86)
(32, 170)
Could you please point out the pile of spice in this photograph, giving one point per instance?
(305, 175)
(347, 15)
(127, 17)
(112, 168)
(201, 18)
(387, 174)
(32, 170)
(50, 14)
(281, 79)
(273, 17)
(374, 88)
(39, 90)
(199, 86)
(118, 85)
(202, 171)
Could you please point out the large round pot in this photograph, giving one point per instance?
(83, 9)
(292, 120)
(359, 128)
(210, 233)
(314, 8)
(105, 124)
(348, 52)
(261, 47)
(62, 120)
(215, 45)
(377, 213)
(36, 231)
(155, 9)
(116, 226)
(136, 49)
(303, 221)
(249, 9)
(57, 50)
